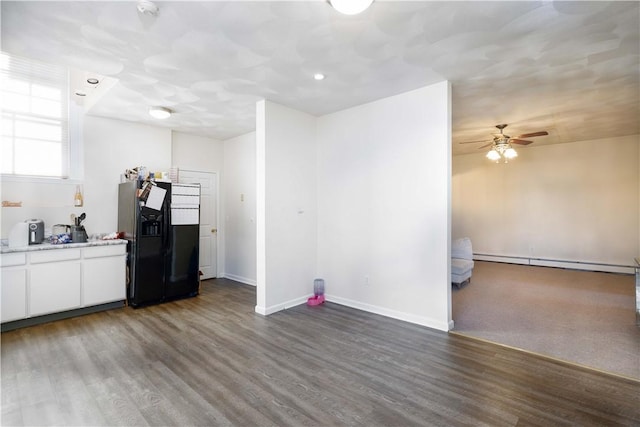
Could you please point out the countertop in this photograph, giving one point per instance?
(49, 246)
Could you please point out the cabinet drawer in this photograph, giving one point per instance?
(54, 255)
(18, 258)
(102, 251)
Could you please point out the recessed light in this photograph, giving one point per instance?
(350, 7)
(160, 112)
(78, 93)
(318, 76)
(93, 81)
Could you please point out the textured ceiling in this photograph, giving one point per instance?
(571, 68)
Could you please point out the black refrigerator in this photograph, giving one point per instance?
(160, 221)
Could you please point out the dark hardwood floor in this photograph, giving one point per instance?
(212, 361)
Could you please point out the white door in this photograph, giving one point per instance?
(208, 218)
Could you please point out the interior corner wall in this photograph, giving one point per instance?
(286, 206)
(384, 171)
(239, 217)
(575, 202)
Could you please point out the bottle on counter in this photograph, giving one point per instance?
(78, 200)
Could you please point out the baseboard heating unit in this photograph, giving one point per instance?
(544, 262)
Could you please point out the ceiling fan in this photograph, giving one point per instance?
(501, 144)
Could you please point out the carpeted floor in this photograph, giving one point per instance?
(582, 317)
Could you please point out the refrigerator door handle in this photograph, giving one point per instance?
(166, 223)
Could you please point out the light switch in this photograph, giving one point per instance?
(242, 197)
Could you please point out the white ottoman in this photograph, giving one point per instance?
(461, 261)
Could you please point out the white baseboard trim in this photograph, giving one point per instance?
(265, 311)
(406, 317)
(540, 262)
(240, 279)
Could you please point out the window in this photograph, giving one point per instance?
(35, 118)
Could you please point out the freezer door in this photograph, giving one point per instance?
(147, 286)
(182, 277)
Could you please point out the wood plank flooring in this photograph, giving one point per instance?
(212, 361)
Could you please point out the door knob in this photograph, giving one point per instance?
(214, 230)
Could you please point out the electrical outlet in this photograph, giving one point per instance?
(242, 197)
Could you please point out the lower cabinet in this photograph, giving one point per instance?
(54, 282)
(14, 293)
(104, 272)
(43, 282)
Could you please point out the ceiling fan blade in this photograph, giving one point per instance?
(531, 135)
(519, 141)
(473, 142)
(486, 145)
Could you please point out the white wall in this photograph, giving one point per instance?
(110, 147)
(286, 206)
(572, 202)
(383, 206)
(197, 153)
(240, 208)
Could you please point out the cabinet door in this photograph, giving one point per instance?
(14, 294)
(54, 287)
(104, 280)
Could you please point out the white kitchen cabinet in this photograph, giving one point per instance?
(43, 281)
(104, 273)
(14, 286)
(14, 293)
(55, 281)
(54, 287)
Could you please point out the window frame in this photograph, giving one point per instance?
(36, 73)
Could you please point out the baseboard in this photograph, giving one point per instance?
(406, 317)
(265, 311)
(542, 262)
(31, 321)
(382, 311)
(240, 279)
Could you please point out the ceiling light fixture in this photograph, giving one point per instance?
(501, 149)
(350, 7)
(160, 112)
(318, 76)
(147, 7)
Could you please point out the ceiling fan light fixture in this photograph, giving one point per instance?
(350, 7)
(510, 153)
(160, 112)
(493, 155)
